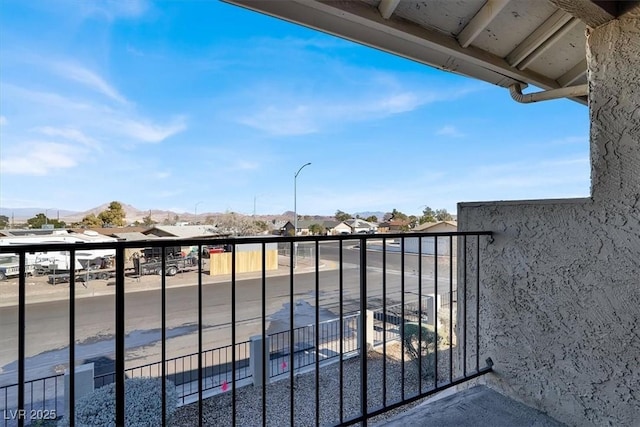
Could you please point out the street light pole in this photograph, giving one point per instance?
(196, 212)
(295, 213)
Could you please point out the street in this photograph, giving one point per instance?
(47, 323)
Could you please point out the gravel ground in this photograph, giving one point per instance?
(217, 409)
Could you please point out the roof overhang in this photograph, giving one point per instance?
(503, 42)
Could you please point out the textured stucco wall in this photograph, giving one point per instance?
(561, 281)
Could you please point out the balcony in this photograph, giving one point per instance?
(347, 336)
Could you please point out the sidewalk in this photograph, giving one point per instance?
(38, 290)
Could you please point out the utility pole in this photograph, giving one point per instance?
(295, 214)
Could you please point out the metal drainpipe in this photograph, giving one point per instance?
(566, 92)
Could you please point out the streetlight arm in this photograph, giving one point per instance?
(295, 212)
(301, 167)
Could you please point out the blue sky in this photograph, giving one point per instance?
(166, 105)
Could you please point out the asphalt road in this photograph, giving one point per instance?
(47, 324)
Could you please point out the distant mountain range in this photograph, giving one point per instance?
(26, 213)
(133, 214)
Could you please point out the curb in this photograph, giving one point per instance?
(63, 293)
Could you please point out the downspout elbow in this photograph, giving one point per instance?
(566, 92)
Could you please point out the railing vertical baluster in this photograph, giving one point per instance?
(478, 303)
(264, 336)
(317, 331)
(450, 308)
(402, 314)
(233, 335)
(21, 332)
(420, 315)
(72, 344)
(163, 281)
(341, 303)
(291, 338)
(200, 379)
(435, 311)
(384, 322)
(363, 334)
(464, 308)
(120, 330)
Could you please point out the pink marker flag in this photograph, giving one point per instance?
(225, 385)
(284, 365)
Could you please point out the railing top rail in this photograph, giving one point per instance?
(168, 242)
(32, 381)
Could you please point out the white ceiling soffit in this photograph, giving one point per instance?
(502, 42)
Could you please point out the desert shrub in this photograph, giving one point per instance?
(143, 404)
(420, 345)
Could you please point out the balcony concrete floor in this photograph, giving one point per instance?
(478, 406)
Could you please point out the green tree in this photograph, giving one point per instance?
(428, 215)
(91, 221)
(237, 224)
(41, 219)
(413, 220)
(114, 215)
(342, 216)
(371, 218)
(261, 225)
(396, 215)
(420, 345)
(316, 229)
(443, 215)
(147, 221)
(4, 221)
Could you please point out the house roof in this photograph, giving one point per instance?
(394, 223)
(280, 224)
(357, 222)
(331, 224)
(185, 231)
(134, 236)
(110, 231)
(306, 223)
(429, 225)
(503, 42)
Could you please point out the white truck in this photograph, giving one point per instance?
(10, 266)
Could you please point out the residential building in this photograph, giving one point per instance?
(361, 226)
(560, 301)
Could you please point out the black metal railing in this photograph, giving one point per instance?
(304, 349)
(43, 399)
(183, 372)
(341, 277)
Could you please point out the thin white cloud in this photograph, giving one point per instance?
(91, 121)
(70, 135)
(296, 120)
(245, 165)
(55, 102)
(114, 9)
(449, 130)
(316, 114)
(40, 158)
(3, 121)
(88, 78)
(162, 175)
(146, 131)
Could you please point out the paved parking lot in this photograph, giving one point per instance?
(39, 290)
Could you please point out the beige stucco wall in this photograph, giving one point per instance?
(560, 295)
